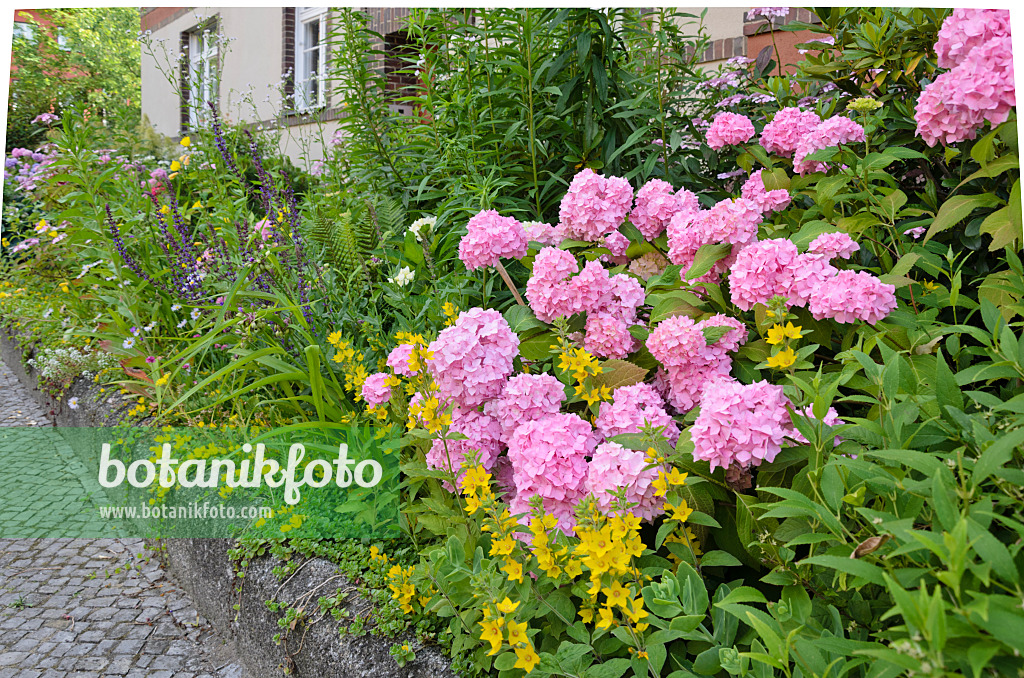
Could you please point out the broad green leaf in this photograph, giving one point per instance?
(705, 259)
(956, 209)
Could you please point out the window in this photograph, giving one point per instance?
(310, 57)
(24, 30)
(202, 73)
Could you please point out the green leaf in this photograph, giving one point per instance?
(705, 259)
(611, 668)
(947, 392)
(618, 373)
(521, 318)
(857, 568)
(719, 559)
(996, 454)
(956, 209)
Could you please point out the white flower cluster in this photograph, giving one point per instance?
(59, 366)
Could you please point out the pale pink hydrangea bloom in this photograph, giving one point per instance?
(656, 203)
(490, 237)
(548, 289)
(526, 397)
(835, 131)
(761, 271)
(742, 424)
(689, 361)
(549, 459)
(473, 358)
(853, 295)
(648, 265)
(594, 205)
(967, 28)
(915, 232)
(810, 273)
(607, 336)
(592, 288)
(614, 468)
(398, 360)
(730, 221)
(631, 408)
(538, 231)
(960, 101)
(831, 419)
(617, 245)
(834, 245)
(376, 390)
(483, 435)
(783, 134)
(766, 201)
(729, 129)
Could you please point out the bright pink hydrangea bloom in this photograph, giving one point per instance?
(607, 336)
(980, 89)
(398, 360)
(549, 459)
(783, 134)
(473, 358)
(376, 390)
(766, 201)
(490, 237)
(592, 288)
(614, 468)
(545, 234)
(627, 296)
(835, 131)
(483, 435)
(833, 245)
(729, 129)
(689, 361)
(742, 424)
(548, 289)
(810, 273)
(730, 221)
(656, 204)
(831, 419)
(617, 244)
(761, 271)
(849, 296)
(632, 407)
(526, 397)
(594, 205)
(967, 28)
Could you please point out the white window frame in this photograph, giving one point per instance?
(310, 90)
(24, 29)
(202, 73)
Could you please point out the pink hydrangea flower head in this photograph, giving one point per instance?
(783, 134)
(627, 296)
(980, 89)
(810, 273)
(617, 244)
(548, 290)
(483, 435)
(526, 397)
(473, 358)
(849, 296)
(398, 360)
(732, 339)
(738, 423)
(633, 407)
(594, 205)
(834, 245)
(729, 221)
(607, 336)
(545, 234)
(656, 203)
(376, 390)
(835, 131)
(831, 419)
(967, 28)
(766, 201)
(549, 459)
(592, 288)
(761, 271)
(679, 344)
(490, 237)
(729, 129)
(614, 468)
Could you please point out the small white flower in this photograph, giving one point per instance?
(195, 314)
(47, 313)
(73, 403)
(182, 323)
(149, 327)
(404, 277)
(175, 307)
(129, 342)
(417, 227)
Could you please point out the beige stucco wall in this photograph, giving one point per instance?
(250, 81)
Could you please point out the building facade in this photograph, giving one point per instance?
(266, 66)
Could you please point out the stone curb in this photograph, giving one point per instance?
(202, 568)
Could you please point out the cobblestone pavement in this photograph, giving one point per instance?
(94, 607)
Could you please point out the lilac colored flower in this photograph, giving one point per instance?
(150, 359)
